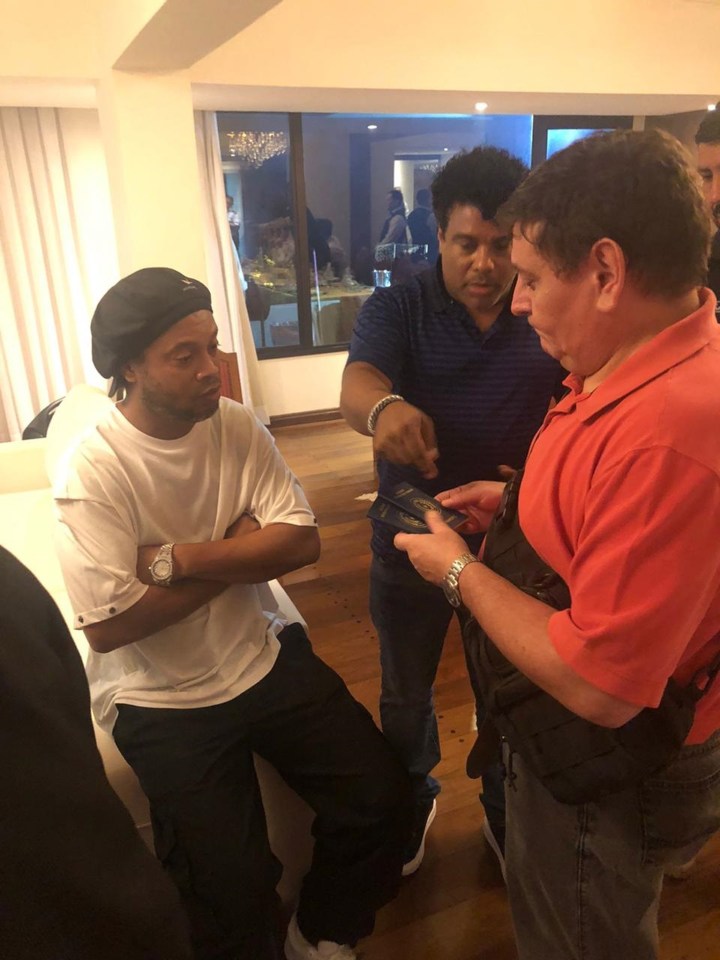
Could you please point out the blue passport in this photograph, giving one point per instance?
(405, 508)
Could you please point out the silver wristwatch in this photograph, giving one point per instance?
(451, 579)
(161, 569)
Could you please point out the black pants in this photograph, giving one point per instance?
(197, 770)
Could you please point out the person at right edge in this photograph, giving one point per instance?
(597, 602)
(451, 386)
(707, 139)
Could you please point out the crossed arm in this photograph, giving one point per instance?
(202, 571)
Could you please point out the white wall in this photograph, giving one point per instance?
(302, 384)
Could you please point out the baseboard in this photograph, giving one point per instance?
(310, 416)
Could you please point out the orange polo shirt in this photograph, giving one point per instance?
(621, 497)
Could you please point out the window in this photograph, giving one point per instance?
(324, 207)
(553, 133)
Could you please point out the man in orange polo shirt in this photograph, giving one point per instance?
(621, 498)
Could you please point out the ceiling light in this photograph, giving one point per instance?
(372, 126)
(712, 106)
(445, 149)
(481, 106)
(255, 148)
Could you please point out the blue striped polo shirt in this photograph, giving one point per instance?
(487, 393)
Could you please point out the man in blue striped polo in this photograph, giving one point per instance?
(451, 386)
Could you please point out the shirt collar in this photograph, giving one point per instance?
(666, 350)
(442, 301)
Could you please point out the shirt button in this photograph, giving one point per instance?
(111, 610)
(81, 619)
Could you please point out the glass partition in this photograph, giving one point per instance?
(324, 207)
(256, 155)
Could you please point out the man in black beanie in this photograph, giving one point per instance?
(175, 511)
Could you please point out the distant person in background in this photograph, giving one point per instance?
(319, 252)
(707, 139)
(77, 882)
(395, 228)
(338, 258)
(233, 221)
(423, 225)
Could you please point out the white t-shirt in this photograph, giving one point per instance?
(122, 489)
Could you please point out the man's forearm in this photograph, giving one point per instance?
(253, 558)
(518, 626)
(158, 608)
(362, 386)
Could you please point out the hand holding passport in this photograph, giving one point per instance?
(405, 508)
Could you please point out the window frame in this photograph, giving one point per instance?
(298, 206)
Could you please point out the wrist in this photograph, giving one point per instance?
(451, 580)
(378, 408)
(180, 563)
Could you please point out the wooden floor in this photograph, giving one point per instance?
(455, 907)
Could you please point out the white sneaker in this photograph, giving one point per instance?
(414, 863)
(492, 842)
(298, 948)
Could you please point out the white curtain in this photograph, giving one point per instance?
(49, 272)
(224, 270)
(41, 288)
(58, 256)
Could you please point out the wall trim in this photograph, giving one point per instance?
(310, 416)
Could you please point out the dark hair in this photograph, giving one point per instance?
(396, 196)
(118, 387)
(484, 178)
(636, 188)
(423, 197)
(324, 228)
(709, 129)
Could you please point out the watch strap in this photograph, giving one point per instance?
(451, 580)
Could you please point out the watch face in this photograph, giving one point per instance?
(161, 569)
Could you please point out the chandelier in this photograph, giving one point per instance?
(429, 166)
(254, 148)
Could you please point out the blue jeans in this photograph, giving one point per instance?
(197, 770)
(411, 617)
(584, 881)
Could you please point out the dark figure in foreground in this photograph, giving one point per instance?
(76, 881)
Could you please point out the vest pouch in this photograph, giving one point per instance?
(576, 760)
